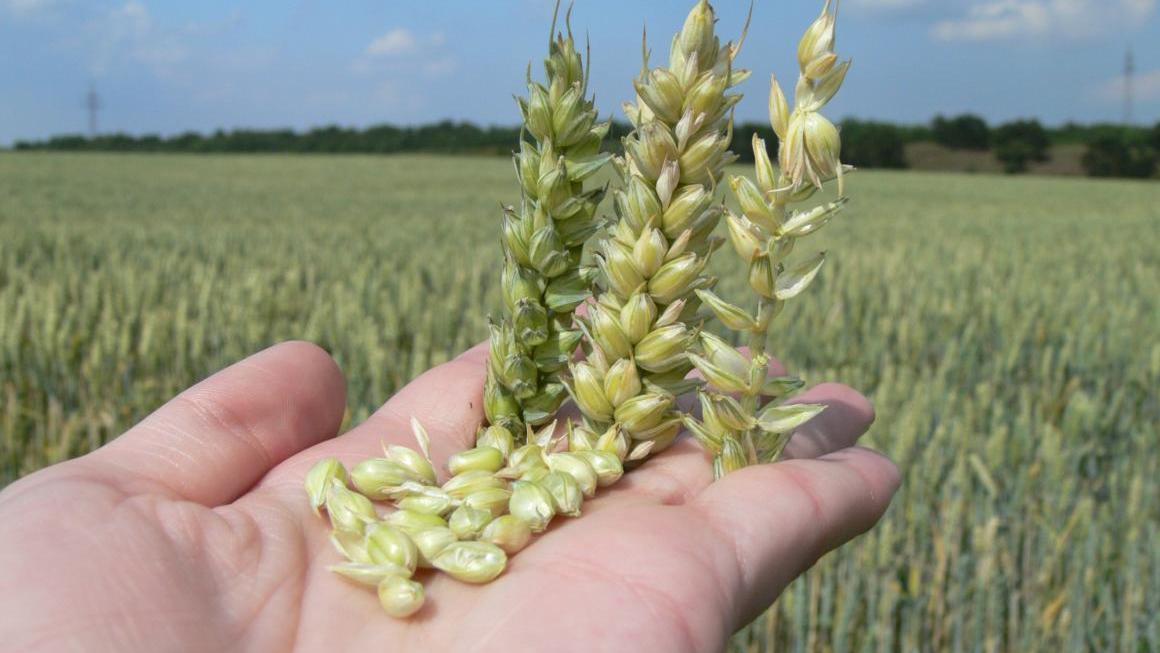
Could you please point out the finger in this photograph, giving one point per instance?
(685, 469)
(213, 441)
(772, 522)
(447, 400)
(846, 418)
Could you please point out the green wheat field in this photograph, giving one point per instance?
(1007, 330)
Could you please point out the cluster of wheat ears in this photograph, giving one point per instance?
(644, 299)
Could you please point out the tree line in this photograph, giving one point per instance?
(1112, 150)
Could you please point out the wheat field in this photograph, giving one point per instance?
(1007, 330)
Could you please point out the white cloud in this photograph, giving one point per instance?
(26, 7)
(395, 42)
(397, 64)
(993, 20)
(1140, 8)
(1000, 19)
(886, 5)
(443, 65)
(128, 36)
(128, 32)
(401, 49)
(1145, 87)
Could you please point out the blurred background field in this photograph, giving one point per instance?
(1006, 328)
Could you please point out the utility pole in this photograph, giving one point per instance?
(93, 103)
(1129, 68)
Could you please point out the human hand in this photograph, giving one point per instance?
(192, 531)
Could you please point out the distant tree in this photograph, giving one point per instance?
(915, 133)
(743, 140)
(1076, 134)
(67, 142)
(964, 132)
(1118, 156)
(867, 144)
(1116, 150)
(442, 137)
(1018, 143)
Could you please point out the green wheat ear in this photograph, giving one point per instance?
(653, 257)
(543, 281)
(764, 234)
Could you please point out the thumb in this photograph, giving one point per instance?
(775, 521)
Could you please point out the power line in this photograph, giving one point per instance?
(1129, 68)
(93, 104)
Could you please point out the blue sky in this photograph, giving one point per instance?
(167, 67)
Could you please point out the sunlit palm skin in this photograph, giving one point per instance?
(192, 532)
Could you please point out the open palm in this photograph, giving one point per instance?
(192, 532)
